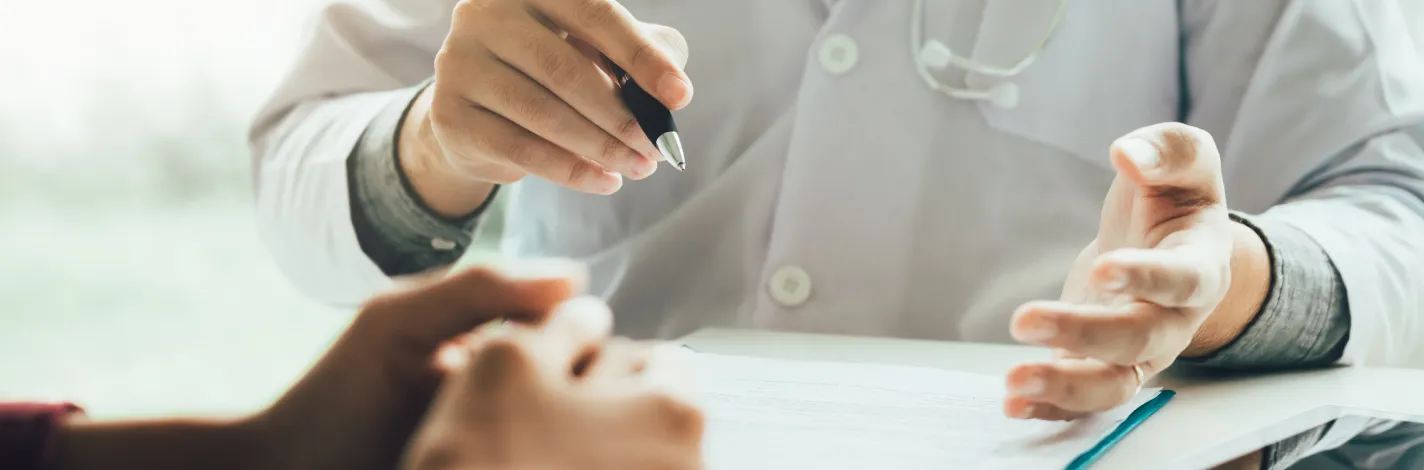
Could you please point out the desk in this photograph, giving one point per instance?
(1213, 419)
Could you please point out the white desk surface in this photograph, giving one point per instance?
(1214, 418)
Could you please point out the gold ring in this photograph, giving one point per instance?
(1137, 372)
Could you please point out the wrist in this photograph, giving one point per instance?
(449, 192)
(158, 445)
(1250, 285)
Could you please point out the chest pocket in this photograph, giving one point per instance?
(1107, 68)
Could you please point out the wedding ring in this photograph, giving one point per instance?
(1137, 372)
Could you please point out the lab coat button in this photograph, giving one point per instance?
(790, 286)
(838, 54)
(442, 244)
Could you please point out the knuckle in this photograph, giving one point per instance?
(645, 53)
(628, 128)
(578, 171)
(522, 104)
(674, 41)
(598, 13)
(443, 109)
(581, 170)
(502, 359)
(559, 71)
(679, 416)
(446, 61)
(522, 156)
(1189, 288)
(538, 111)
(471, 10)
(612, 150)
(1179, 140)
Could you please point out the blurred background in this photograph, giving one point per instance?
(131, 276)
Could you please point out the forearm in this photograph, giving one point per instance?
(157, 445)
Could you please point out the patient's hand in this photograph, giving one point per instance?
(552, 397)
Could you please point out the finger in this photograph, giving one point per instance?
(1073, 385)
(652, 60)
(471, 133)
(520, 356)
(667, 370)
(452, 355)
(537, 89)
(619, 359)
(1167, 277)
(1023, 408)
(1120, 334)
(575, 332)
(429, 315)
(1177, 165)
(675, 416)
(562, 66)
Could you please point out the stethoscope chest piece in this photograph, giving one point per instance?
(933, 56)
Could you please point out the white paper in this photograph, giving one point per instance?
(777, 415)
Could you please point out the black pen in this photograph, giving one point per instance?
(655, 118)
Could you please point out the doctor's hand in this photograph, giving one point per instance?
(520, 90)
(562, 396)
(1169, 275)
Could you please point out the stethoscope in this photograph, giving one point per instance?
(936, 55)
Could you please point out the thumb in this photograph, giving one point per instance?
(1176, 166)
(431, 314)
(671, 42)
(667, 41)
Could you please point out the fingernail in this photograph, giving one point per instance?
(1040, 330)
(1029, 386)
(589, 313)
(645, 168)
(1028, 411)
(1117, 280)
(1141, 152)
(610, 184)
(674, 90)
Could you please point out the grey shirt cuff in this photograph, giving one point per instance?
(1305, 320)
(1285, 454)
(393, 225)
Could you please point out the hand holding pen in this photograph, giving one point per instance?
(519, 91)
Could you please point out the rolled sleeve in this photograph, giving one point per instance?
(395, 228)
(1305, 320)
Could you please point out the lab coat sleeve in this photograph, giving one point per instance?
(1318, 107)
(360, 58)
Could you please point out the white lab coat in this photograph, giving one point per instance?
(829, 190)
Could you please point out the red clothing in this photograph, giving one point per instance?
(29, 434)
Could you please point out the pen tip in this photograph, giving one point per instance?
(671, 147)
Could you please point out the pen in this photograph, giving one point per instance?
(655, 118)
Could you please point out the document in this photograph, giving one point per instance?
(768, 414)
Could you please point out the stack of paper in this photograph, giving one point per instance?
(778, 415)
